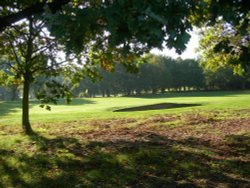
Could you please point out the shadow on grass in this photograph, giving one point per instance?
(7, 107)
(156, 107)
(157, 162)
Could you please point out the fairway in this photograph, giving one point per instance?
(166, 143)
(103, 108)
(124, 94)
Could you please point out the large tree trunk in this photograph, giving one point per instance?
(27, 80)
(25, 116)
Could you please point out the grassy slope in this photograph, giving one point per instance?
(101, 108)
(206, 146)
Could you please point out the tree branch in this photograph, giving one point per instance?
(9, 65)
(37, 8)
(14, 52)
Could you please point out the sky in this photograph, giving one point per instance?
(189, 53)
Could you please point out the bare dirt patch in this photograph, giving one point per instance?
(213, 152)
(198, 149)
(198, 126)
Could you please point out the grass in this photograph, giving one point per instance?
(102, 108)
(86, 144)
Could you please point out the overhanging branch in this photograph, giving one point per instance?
(34, 9)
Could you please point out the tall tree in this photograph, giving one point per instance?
(29, 52)
(99, 32)
(93, 32)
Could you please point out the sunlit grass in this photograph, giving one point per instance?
(102, 108)
(86, 144)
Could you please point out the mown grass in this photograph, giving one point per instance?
(102, 108)
(202, 146)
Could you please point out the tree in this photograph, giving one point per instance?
(12, 12)
(96, 32)
(29, 52)
(223, 45)
(191, 74)
(224, 78)
(9, 86)
(93, 32)
(154, 73)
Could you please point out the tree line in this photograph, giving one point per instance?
(101, 33)
(156, 74)
(160, 74)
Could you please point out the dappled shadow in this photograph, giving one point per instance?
(12, 173)
(241, 145)
(7, 107)
(154, 161)
(159, 106)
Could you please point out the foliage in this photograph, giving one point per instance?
(103, 33)
(222, 44)
(161, 74)
(147, 24)
(90, 32)
(224, 78)
(29, 51)
(228, 40)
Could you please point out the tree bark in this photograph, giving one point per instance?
(25, 107)
(27, 81)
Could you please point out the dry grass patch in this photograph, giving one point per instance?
(199, 150)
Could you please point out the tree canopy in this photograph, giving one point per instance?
(103, 33)
(118, 27)
(108, 29)
(223, 45)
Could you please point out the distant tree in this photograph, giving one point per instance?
(224, 78)
(101, 33)
(9, 89)
(127, 82)
(86, 88)
(192, 74)
(155, 73)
